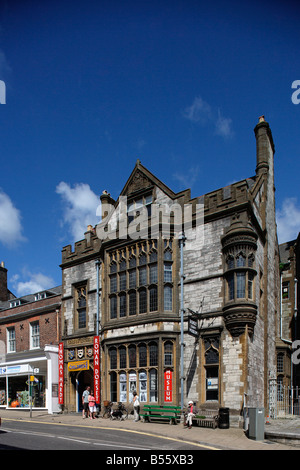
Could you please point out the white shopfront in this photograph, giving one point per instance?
(15, 384)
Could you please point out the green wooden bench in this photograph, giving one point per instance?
(161, 412)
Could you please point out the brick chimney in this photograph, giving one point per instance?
(3, 283)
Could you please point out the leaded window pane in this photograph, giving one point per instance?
(168, 298)
(153, 299)
(143, 301)
(240, 285)
(132, 303)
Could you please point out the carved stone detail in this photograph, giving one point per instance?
(238, 316)
(139, 181)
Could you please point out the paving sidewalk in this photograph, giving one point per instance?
(225, 439)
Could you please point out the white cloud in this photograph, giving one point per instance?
(199, 111)
(203, 113)
(188, 177)
(80, 208)
(223, 126)
(288, 220)
(10, 222)
(35, 282)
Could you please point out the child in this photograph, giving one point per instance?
(92, 405)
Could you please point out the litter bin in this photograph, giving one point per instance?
(224, 418)
(256, 428)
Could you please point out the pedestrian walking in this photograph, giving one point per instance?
(136, 406)
(92, 405)
(85, 402)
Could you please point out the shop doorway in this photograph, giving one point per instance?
(84, 378)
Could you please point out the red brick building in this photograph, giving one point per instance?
(29, 337)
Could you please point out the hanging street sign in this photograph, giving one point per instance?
(193, 327)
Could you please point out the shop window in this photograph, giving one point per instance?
(18, 392)
(123, 386)
(132, 384)
(11, 340)
(2, 391)
(153, 385)
(143, 386)
(141, 375)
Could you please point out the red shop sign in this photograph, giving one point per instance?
(168, 386)
(97, 369)
(61, 373)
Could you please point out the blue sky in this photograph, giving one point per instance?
(93, 85)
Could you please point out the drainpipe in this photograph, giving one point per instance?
(182, 239)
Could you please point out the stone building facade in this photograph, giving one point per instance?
(127, 279)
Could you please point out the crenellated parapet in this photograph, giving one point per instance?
(85, 248)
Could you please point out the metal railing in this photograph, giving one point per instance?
(283, 401)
